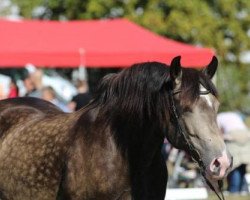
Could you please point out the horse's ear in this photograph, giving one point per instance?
(210, 70)
(175, 69)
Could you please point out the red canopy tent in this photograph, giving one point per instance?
(94, 43)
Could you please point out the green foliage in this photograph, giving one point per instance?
(4, 9)
(222, 25)
(233, 85)
(27, 7)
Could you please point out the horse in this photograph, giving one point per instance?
(111, 149)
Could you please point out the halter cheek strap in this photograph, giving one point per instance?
(181, 129)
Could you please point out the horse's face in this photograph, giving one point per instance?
(202, 129)
(196, 128)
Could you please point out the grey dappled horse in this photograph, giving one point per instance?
(111, 149)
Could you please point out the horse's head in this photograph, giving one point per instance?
(193, 108)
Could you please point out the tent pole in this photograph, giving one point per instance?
(82, 71)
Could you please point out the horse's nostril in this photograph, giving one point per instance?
(216, 163)
(216, 166)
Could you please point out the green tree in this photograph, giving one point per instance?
(231, 93)
(5, 8)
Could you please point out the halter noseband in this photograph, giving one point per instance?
(181, 130)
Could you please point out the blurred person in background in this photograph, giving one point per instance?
(237, 137)
(1, 92)
(29, 86)
(82, 98)
(36, 79)
(33, 84)
(49, 94)
(13, 89)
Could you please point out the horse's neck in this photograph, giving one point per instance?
(121, 146)
(95, 159)
(135, 139)
(128, 134)
(142, 147)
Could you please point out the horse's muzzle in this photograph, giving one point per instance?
(221, 166)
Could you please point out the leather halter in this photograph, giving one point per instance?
(181, 130)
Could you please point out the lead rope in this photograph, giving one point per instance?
(192, 148)
(220, 185)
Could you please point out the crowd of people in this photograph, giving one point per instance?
(34, 87)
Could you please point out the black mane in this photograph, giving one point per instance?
(136, 93)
